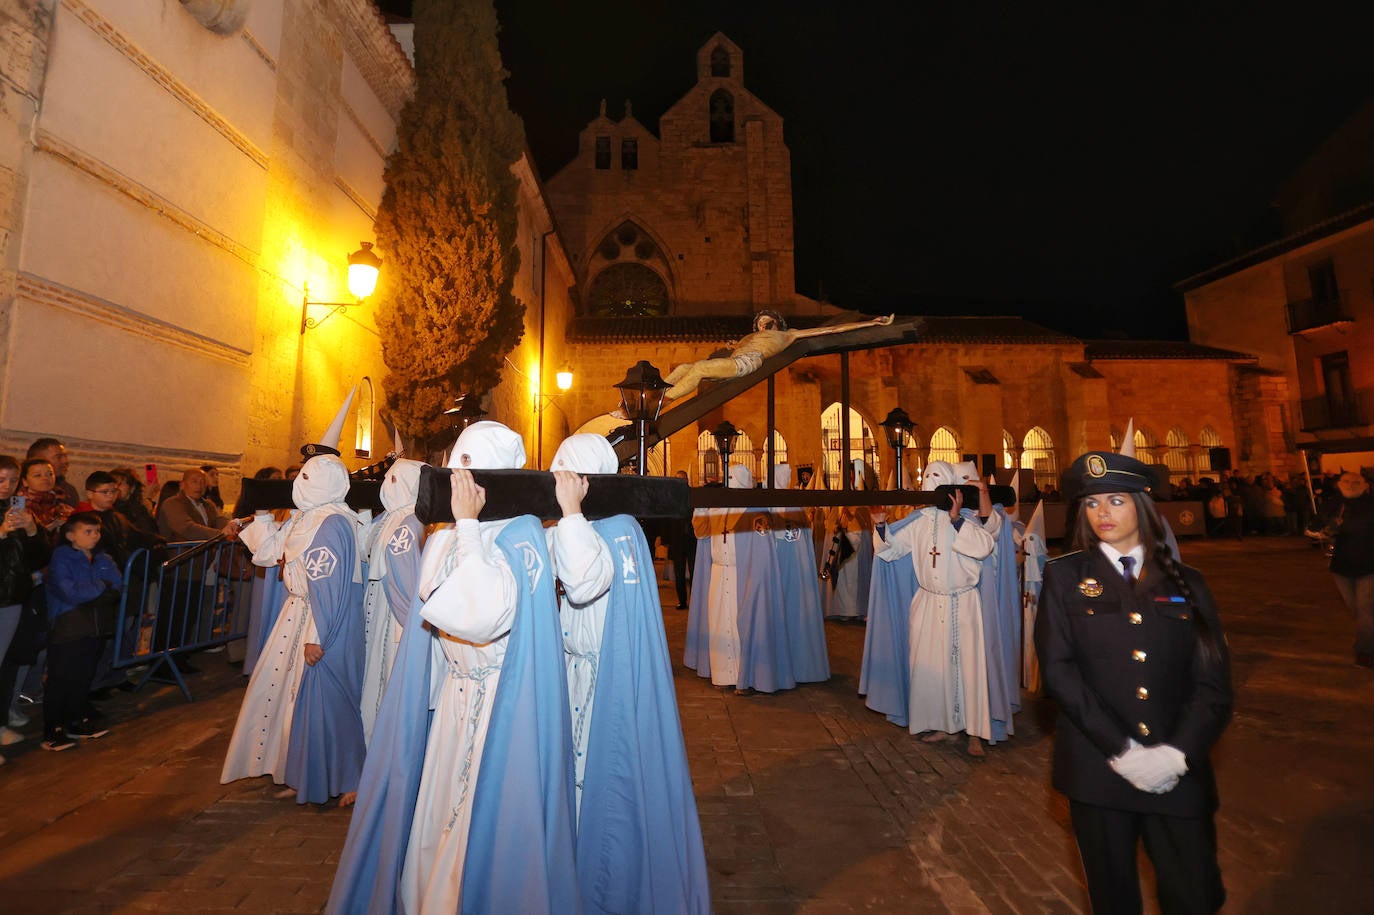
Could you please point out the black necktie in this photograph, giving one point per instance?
(1127, 567)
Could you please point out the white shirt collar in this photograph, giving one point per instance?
(1114, 555)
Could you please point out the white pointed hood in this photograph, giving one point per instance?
(1128, 439)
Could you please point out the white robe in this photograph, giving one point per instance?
(583, 563)
(263, 729)
(472, 609)
(949, 678)
(723, 592)
(381, 633)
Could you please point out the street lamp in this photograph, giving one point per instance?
(564, 378)
(363, 268)
(641, 399)
(725, 435)
(897, 426)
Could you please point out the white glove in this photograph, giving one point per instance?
(1155, 769)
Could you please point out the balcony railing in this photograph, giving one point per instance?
(1337, 412)
(1310, 314)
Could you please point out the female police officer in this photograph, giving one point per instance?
(1132, 651)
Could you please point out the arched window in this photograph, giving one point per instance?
(779, 454)
(1209, 439)
(944, 446)
(1176, 453)
(720, 61)
(1146, 446)
(1037, 454)
(722, 117)
(627, 290)
(362, 437)
(862, 445)
(658, 459)
(1114, 437)
(745, 453)
(708, 460)
(1008, 450)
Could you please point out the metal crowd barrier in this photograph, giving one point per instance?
(182, 598)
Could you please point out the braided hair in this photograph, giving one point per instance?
(1152, 538)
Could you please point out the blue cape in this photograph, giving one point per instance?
(368, 878)
(885, 677)
(639, 843)
(999, 591)
(802, 597)
(325, 749)
(696, 654)
(265, 601)
(765, 661)
(520, 854)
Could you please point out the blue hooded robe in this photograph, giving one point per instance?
(265, 601)
(520, 855)
(801, 596)
(325, 749)
(520, 846)
(999, 591)
(765, 653)
(885, 676)
(639, 845)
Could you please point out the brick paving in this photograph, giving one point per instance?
(809, 802)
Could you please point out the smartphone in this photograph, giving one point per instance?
(150, 473)
(19, 503)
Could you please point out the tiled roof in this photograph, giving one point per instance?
(1316, 232)
(723, 328)
(1159, 349)
(987, 329)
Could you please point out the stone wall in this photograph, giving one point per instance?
(175, 195)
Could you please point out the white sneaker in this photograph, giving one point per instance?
(18, 719)
(9, 737)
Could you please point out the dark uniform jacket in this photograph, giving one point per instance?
(1124, 663)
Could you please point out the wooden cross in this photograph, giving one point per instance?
(934, 552)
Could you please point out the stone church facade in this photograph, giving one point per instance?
(678, 241)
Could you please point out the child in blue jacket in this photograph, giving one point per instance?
(83, 598)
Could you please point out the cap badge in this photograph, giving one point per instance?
(1090, 587)
(466, 460)
(1097, 467)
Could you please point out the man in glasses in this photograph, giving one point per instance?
(118, 536)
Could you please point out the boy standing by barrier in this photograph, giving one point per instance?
(83, 596)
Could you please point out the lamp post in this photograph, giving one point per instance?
(363, 269)
(725, 435)
(641, 399)
(897, 426)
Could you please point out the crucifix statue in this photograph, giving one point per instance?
(770, 336)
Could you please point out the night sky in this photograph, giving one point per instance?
(974, 158)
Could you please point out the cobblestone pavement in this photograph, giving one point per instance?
(809, 802)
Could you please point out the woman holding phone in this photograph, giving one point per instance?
(23, 550)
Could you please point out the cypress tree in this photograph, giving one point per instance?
(448, 221)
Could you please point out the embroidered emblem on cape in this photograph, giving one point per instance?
(534, 563)
(1097, 467)
(320, 563)
(761, 526)
(400, 542)
(629, 570)
(790, 533)
(1090, 587)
